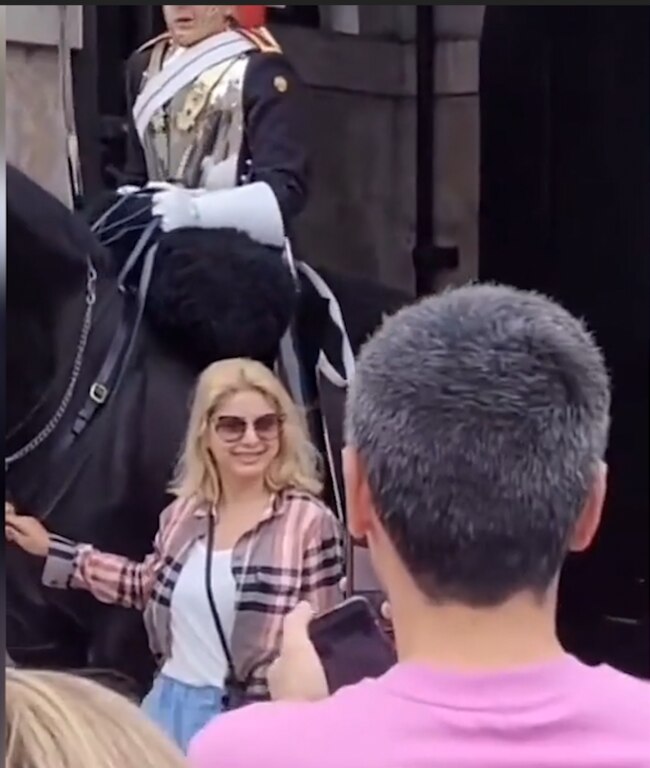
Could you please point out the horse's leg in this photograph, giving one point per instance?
(43, 627)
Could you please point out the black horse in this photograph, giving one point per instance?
(99, 377)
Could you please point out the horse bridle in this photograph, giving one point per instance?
(107, 381)
(86, 326)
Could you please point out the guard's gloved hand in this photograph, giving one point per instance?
(127, 189)
(161, 186)
(177, 209)
(151, 186)
(252, 208)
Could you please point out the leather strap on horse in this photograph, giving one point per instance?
(119, 352)
(331, 384)
(112, 371)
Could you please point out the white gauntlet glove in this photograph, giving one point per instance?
(127, 189)
(176, 208)
(252, 209)
(161, 185)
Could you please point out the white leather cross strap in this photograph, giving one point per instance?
(336, 316)
(183, 70)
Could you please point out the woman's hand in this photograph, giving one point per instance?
(26, 532)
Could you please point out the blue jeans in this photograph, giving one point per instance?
(181, 710)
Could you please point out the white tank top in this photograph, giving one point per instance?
(197, 656)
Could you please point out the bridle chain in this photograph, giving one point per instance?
(48, 429)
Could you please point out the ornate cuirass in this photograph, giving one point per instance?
(204, 119)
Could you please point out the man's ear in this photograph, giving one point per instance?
(358, 499)
(592, 511)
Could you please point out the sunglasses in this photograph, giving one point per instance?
(231, 429)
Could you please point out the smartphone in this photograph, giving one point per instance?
(351, 643)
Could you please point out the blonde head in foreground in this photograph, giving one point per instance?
(244, 428)
(55, 720)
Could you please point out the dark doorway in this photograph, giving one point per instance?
(121, 29)
(565, 210)
(296, 15)
(111, 34)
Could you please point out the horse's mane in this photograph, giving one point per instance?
(47, 251)
(38, 222)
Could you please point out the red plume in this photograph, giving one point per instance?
(250, 16)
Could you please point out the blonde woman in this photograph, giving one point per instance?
(60, 721)
(245, 541)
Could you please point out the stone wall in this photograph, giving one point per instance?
(362, 126)
(35, 137)
(35, 133)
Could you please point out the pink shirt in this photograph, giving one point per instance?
(562, 715)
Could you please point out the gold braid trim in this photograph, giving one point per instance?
(262, 39)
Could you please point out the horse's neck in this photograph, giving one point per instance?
(42, 340)
(31, 362)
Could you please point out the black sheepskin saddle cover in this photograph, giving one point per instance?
(214, 294)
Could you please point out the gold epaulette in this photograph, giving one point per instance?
(153, 41)
(262, 39)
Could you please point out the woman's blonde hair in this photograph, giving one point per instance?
(296, 465)
(56, 720)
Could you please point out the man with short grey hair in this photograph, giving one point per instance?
(477, 430)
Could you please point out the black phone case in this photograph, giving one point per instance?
(351, 644)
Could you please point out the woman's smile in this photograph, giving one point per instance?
(245, 435)
(248, 457)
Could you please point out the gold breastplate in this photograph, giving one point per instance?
(203, 119)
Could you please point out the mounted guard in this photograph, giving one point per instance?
(217, 106)
(215, 139)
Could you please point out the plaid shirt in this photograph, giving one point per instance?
(295, 553)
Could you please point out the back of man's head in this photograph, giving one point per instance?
(480, 418)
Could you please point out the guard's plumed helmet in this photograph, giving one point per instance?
(250, 16)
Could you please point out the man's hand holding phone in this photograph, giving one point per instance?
(297, 674)
(320, 655)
